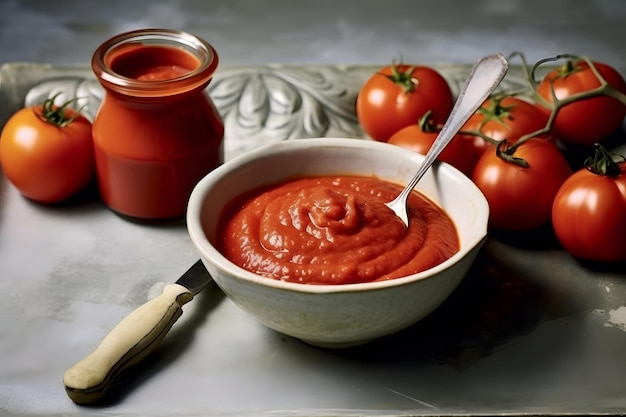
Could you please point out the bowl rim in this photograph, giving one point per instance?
(208, 250)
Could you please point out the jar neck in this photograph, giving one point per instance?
(154, 63)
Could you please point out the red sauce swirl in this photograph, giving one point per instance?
(335, 230)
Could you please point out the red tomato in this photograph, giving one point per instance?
(459, 152)
(46, 152)
(398, 96)
(520, 198)
(507, 118)
(587, 121)
(589, 214)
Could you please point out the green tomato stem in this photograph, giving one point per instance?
(404, 79)
(507, 153)
(56, 115)
(604, 163)
(427, 125)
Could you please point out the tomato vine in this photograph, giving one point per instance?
(557, 104)
(505, 148)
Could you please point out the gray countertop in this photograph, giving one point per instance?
(529, 331)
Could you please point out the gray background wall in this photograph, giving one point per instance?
(324, 31)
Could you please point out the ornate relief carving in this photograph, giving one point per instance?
(262, 104)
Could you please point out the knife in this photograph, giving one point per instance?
(133, 338)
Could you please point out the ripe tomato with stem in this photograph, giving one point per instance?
(589, 210)
(520, 182)
(397, 96)
(46, 151)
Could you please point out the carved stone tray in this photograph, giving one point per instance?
(529, 331)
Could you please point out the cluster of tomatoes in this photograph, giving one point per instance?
(514, 147)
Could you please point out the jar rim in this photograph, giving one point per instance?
(195, 78)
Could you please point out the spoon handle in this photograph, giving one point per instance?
(484, 77)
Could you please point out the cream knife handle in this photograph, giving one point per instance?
(128, 343)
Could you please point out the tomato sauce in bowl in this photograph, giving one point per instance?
(341, 228)
(334, 230)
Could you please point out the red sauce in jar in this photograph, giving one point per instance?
(154, 63)
(157, 132)
(335, 230)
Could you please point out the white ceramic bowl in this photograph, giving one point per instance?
(336, 315)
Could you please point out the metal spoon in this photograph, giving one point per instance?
(482, 81)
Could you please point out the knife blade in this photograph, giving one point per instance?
(133, 338)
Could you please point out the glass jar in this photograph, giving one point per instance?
(157, 131)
